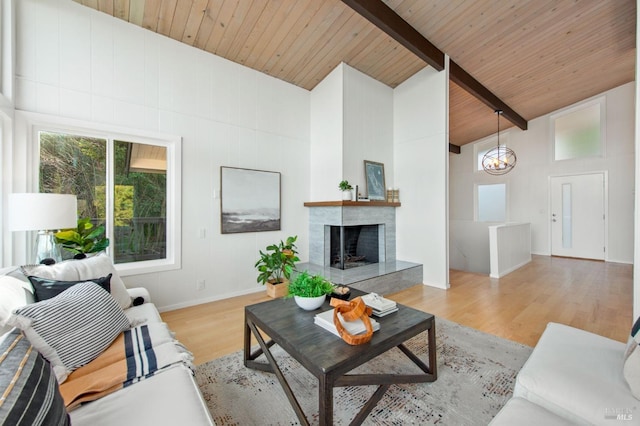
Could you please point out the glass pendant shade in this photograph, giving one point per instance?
(499, 160)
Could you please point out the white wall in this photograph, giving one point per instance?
(421, 144)
(351, 121)
(528, 182)
(368, 127)
(636, 239)
(75, 62)
(327, 117)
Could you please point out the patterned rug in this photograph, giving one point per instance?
(476, 374)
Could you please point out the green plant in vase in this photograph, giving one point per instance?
(276, 264)
(309, 290)
(83, 240)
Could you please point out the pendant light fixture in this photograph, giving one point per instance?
(499, 160)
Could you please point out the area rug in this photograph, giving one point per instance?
(476, 374)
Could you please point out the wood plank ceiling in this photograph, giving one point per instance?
(535, 55)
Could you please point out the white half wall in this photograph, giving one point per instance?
(76, 62)
(421, 146)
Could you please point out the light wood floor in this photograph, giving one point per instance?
(591, 295)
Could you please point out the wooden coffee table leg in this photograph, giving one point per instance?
(274, 368)
(325, 401)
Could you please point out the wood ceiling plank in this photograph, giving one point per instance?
(473, 86)
(194, 21)
(279, 26)
(258, 31)
(151, 14)
(220, 27)
(306, 41)
(165, 17)
(247, 30)
(136, 12)
(180, 17)
(208, 23)
(90, 3)
(297, 33)
(234, 26)
(387, 20)
(121, 9)
(106, 6)
(328, 47)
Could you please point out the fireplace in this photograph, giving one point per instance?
(353, 246)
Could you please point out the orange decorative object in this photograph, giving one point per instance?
(352, 310)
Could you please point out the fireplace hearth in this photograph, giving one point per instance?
(354, 246)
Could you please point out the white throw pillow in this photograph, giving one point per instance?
(72, 328)
(631, 366)
(84, 269)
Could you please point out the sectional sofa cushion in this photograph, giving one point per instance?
(46, 288)
(73, 328)
(576, 375)
(28, 388)
(84, 269)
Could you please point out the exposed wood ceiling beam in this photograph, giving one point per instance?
(385, 18)
(454, 149)
(473, 86)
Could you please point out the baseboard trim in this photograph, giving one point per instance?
(209, 299)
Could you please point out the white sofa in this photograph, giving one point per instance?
(169, 397)
(572, 377)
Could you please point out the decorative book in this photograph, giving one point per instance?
(325, 320)
(379, 305)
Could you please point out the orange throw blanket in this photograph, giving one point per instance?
(136, 354)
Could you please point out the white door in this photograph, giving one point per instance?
(577, 216)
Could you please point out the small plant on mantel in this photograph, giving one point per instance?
(345, 186)
(276, 264)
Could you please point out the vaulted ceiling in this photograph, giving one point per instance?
(535, 55)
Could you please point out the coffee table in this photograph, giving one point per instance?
(328, 357)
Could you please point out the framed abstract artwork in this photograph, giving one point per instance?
(374, 178)
(249, 200)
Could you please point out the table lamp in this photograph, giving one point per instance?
(45, 213)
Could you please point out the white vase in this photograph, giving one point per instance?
(346, 195)
(310, 303)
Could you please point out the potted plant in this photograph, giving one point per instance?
(83, 240)
(275, 266)
(346, 189)
(309, 291)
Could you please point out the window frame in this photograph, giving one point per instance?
(173, 144)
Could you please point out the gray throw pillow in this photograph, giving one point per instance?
(28, 386)
(73, 328)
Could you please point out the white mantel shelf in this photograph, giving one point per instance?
(350, 204)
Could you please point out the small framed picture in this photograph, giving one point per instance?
(374, 177)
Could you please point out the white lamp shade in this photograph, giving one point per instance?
(42, 212)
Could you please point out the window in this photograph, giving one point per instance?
(124, 182)
(578, 133)
(492, 203)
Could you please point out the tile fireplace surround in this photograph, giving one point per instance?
(386, 276)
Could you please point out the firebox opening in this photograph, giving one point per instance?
(353, 246)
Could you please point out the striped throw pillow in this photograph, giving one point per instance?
(29, 393)
(72, 328)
